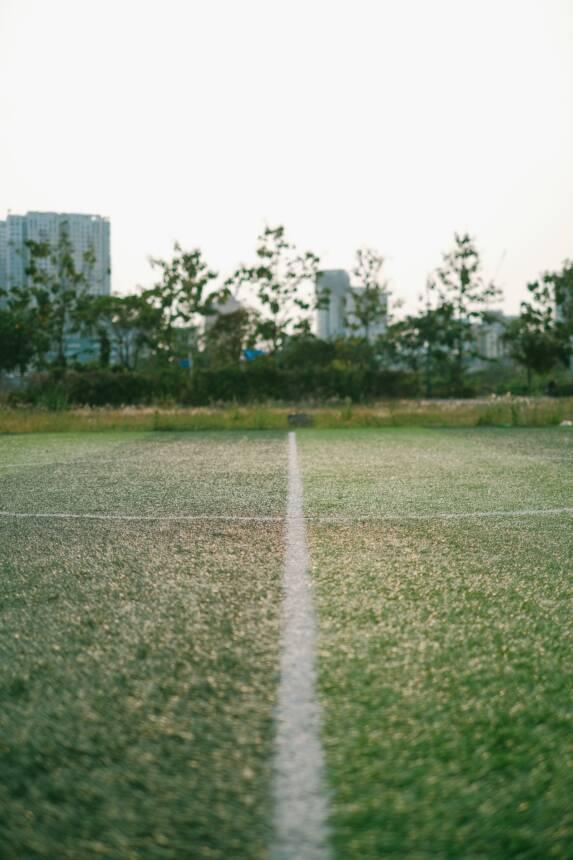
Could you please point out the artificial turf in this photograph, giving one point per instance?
(139, 658)
(445, 648)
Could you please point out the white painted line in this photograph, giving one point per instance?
(446, 515)
(356, 518)
(20, 465)
(38, 463)
(301, 808)
(139, 517)
(78, 462)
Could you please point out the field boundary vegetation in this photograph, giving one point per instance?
(195, 338)
(487, 412)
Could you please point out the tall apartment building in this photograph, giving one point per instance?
(337, 318)
(86, 232)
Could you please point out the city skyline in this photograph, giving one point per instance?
(381, 124)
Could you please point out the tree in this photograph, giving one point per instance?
(370, 301)
(55, 288)
(423, 341)
(182, 293)
(123, 325)
(93, 314)
(561, 286)
(277, 278)
(307, 352)
(229, 335)
(533, 339)
(16, 338)
(460, 287)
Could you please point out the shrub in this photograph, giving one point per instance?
(263, 380)
(102, 388)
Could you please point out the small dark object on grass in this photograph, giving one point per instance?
(299, 419)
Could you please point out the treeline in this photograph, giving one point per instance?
(187, 339)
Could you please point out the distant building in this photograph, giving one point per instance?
(331, 319)
(564, 303)
(86, 233)
(489, 338)
(337, 318)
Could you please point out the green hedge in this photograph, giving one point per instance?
(103, 388)
(263, 381)
(260, 381)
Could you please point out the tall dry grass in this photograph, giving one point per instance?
(490, 412)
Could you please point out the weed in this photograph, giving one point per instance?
(502, 412)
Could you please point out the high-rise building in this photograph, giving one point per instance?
(85, 232)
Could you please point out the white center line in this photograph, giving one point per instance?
(438, 515)
(95, 463)
(138, 517)
(301, 808)
(326, 518)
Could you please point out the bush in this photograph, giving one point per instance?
(102, 388)
(560, 389)
(263, 380)
(259, 381)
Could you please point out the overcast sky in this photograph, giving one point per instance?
(389, 123)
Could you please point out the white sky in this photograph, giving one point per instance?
(383, 122)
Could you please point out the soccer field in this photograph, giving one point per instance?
(140, 643)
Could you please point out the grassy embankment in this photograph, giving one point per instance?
(500, 412)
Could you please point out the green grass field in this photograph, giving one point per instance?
(139, 657)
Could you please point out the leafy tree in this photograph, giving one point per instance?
(371, 300)
(93, 314)
(423, 341)
(55, 287)
(124, 327)
(277, 278)
(16, 337)
(533, 339)
(183, 295)
(355, 352)
(561, 286)
(136, 326)
(229, 335)
(460, 289)
(307, 351)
